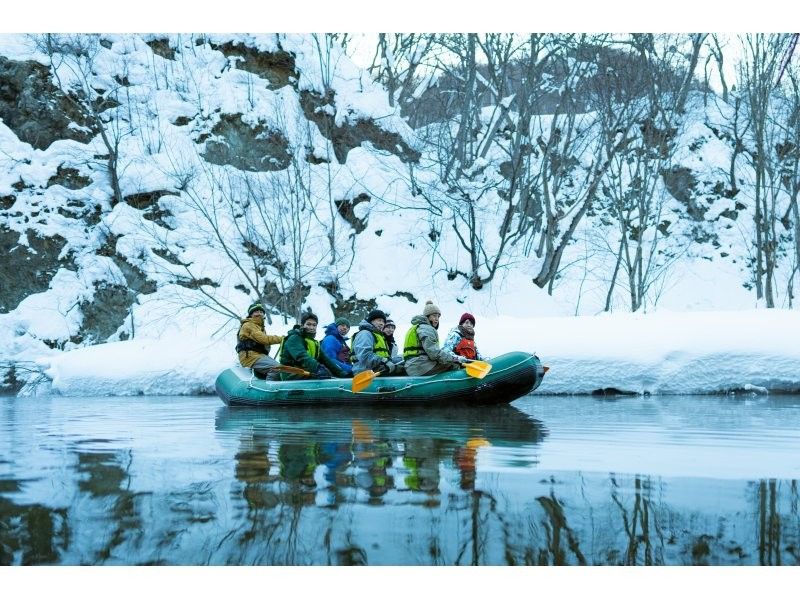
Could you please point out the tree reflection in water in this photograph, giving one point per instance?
(383, 486)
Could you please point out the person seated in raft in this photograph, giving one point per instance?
(369, 348)
(388, 332)
(461, 339)
(334, 345)
(422, 353)
(253, 343)
(300, 350)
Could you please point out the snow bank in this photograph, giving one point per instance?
(664, 352)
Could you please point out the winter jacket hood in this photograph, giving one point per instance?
(333, 330)
(334, 345)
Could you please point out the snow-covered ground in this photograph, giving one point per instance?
(664, 352)
(179, 341)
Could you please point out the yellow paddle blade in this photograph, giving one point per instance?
(363, 379)
(477, 369)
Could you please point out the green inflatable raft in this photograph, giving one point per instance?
(512, 376)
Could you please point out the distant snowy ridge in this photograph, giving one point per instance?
(661, 353)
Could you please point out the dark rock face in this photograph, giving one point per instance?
(148, 199)
(105, 312)
(681, 183)
(346, 137)
(161, 47)
(254, 149)
(69, 178)
(352, 308)
(346, 208)
(37, 111)
(27, 270)
(276, 67)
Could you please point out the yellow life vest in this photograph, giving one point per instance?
(412, 347)
(379, 346)
(312, 346)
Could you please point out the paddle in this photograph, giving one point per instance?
(363, 379)
(477, 369)
(287, 369)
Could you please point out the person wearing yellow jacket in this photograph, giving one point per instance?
(254, 343)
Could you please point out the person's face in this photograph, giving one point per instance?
(468, 325)
(388, 329)
(343, 329)
(257, 314)
(379, 323)
(434, 320)
(310, 326)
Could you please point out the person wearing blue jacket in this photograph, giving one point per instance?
(334, 345)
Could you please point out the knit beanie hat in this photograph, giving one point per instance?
(389, 323)
(342, 321)
(430, 308)
(255, 307)
(308, 315)
(374, 314)
(466, 316)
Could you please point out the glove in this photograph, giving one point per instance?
(462, 360)
(390, 366)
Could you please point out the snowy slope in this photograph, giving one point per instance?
(160, 258)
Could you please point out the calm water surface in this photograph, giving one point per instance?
(547, 480)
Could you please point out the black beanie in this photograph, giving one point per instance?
(376, 313)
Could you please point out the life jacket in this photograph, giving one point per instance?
(312, 346)
(249, 344)
(378, 345)
(344, 354)
(466, 347)
(412, 347)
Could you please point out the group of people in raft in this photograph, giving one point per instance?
(372, 347)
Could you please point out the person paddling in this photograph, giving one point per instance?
(461, 339)
(423, 355)
(369, 347)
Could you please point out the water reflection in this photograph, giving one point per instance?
(336, 462)
(373, 450)
(350, 486)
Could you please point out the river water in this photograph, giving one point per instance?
(546, 480)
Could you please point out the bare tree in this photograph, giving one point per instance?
(633, 191)
(568, 185)
(697, 41)
(72, 58)
(716, 48)
(758, 71)
(786, 171)
(398, 61)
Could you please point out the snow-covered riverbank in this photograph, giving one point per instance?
(664, 352)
